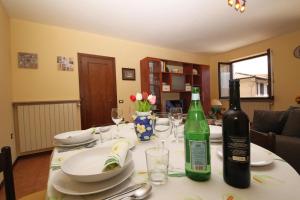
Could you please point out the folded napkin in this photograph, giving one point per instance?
(117, 156)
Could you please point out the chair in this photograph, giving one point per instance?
(279, 132)
(6, 168)
(266, 140)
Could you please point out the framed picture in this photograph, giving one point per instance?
(65, 64)
(128, 74)
(27, 60)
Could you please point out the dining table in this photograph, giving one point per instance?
(276, 180)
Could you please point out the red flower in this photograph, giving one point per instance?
(145, 95)
(132, 98)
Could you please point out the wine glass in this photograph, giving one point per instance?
(117, 117)
(176, 119)
(131, 114)
(162, 127)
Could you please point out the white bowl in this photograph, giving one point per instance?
(74, 137)
(87, 166)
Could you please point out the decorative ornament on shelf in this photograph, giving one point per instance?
(143, 119)
(239, 5)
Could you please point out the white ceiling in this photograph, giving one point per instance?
(190, 25)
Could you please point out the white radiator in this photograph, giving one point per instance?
(37, 123)
(249, 107)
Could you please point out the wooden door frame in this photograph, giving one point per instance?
(79, 56)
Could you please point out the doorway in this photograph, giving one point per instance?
(97, 85)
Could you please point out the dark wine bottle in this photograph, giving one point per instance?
(236, 142)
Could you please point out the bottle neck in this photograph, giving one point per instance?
(195, 97)
(235, 97)
(195, 101)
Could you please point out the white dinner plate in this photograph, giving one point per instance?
(110, 143)
(259, 156)
(86, 166)
(215, 132)
(66, 185)
(75, 145)
(102, 129)
(74, 137)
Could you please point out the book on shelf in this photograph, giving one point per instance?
(163, 66)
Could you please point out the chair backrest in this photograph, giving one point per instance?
(6, 168)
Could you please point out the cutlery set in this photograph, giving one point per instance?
(140, 191)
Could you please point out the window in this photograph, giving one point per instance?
(254, 74)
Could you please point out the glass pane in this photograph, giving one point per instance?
(224, 79)
(253, 75)
(178, 83)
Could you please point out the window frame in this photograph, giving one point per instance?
(270, 96)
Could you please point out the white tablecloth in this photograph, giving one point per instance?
(276, 181)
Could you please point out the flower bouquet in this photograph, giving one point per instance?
(143, 119)
(144, 101)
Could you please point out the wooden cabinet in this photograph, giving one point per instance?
(159, 76)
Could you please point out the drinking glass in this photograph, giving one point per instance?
(162, 127)
(157, 165)
(105, 133)
(176, 119)
(117, 117)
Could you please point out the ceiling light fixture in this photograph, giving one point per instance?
(239, 5)
(230, 2)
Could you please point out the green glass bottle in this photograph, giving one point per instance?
(196, 141)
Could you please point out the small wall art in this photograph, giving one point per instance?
(128, 74)
(27, 60)
(65, 64)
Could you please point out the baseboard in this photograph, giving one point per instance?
(34, 152)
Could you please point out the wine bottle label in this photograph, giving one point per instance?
(198, 155)
(238, 149)
(195, 96)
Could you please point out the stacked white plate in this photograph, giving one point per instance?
(215, 133)
(81, 174)
(74, 138)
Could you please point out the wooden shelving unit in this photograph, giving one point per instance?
(160, 76)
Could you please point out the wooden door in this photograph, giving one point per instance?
(97, 83)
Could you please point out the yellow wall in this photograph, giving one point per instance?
(6, 119)
(48, 83)
(51, 41)
(286, 68)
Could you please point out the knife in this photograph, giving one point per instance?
(126, 191)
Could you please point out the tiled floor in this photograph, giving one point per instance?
(30, 174)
